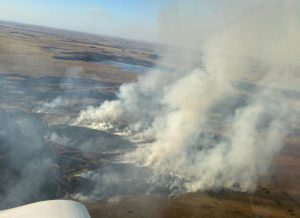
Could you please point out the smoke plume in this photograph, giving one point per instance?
(27, 167)
(219, 120)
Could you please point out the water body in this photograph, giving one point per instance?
(128, 67)
(136, 68)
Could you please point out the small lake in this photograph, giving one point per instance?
(136, 68)
(128, 67)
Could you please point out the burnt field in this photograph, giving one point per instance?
(33, 109)
(40, 146)
(43, 153)
(49, 76)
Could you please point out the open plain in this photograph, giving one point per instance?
(47, 76)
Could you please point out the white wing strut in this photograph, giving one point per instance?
(48, 209)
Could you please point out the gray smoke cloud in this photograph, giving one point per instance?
(27, 166)
(34, 111)
(216, 124)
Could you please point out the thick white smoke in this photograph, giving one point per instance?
(205, 126)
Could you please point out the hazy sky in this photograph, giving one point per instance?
(125, 18)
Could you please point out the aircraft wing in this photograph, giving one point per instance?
(48, 209)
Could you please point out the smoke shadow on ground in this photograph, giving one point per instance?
(88, 140)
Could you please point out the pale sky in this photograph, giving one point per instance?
(137, 19)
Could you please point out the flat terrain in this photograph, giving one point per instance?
(31, 50)
(47, 76)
